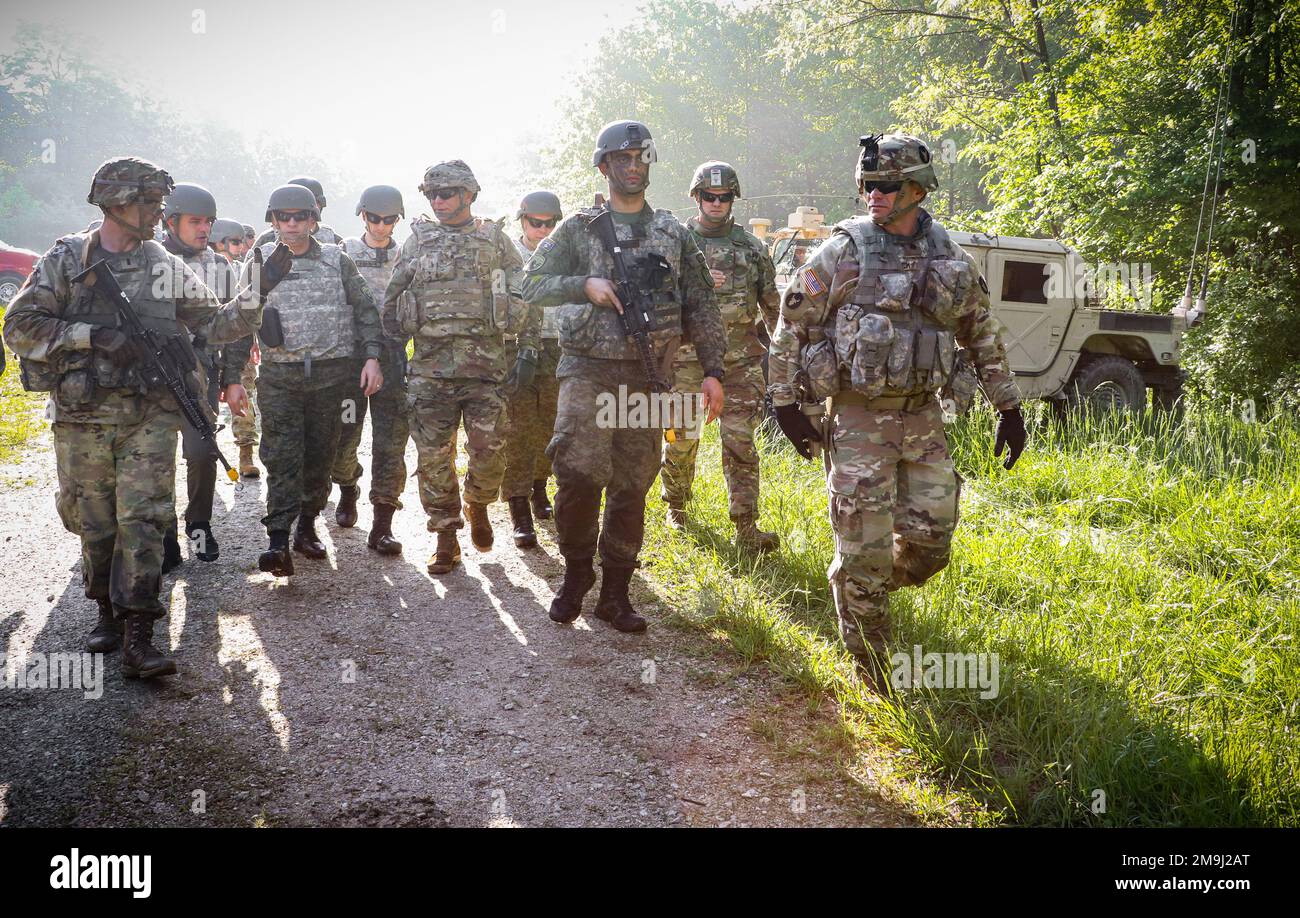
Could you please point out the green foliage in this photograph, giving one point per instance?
(1138, 582)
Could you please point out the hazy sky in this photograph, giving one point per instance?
(377, 73)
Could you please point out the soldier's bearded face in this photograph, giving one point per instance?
(141, 218)
(627, 173)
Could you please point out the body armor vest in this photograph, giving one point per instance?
(888, 339)
(460, 285)
(733, 255)
(375, 265)
(594, 331)
(313, 308)
(147, 276)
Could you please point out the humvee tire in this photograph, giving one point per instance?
(1105, 383)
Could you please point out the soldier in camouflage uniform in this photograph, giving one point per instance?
(189, 214)
(327, 315)
(532, 408)
(227, 240)
(114, 434)
(872, 322)
(320, 231)
(571, 269)
(233, 240)
(455, 288)
(375, 255)
(744, 282)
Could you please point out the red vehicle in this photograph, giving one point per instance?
(15, 265)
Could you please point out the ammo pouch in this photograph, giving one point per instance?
(576, 326)
(959, 393)
(819, 369)
(37, 375)
(271, 334)
(408, 313)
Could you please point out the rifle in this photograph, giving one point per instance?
(167, 358)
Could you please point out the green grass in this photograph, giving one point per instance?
(21, 413)
(1138, 580)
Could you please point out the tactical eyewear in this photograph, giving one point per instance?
(292, 216)
(538, 224)
(387, 221)
(725, 198)
(882, 187)
(444, 194)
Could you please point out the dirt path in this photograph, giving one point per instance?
(364, 692)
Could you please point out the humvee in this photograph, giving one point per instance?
(1062, 343)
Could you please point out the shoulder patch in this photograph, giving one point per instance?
(813, 285)
(545, 246)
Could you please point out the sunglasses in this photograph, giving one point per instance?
(882, 187)
(292, 216)
(444, 194)
(538, 224)
(387, 221)
(725, 198)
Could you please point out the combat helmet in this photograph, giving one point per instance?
(714, 174)
(895, 158)
(126, 180)
(453, 173)
(188, 198)
(381, 200)
(624, 135)
(317, 189)
(224, 230)
(291, 197)
(539, 202)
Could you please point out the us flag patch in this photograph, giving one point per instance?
(812, 284)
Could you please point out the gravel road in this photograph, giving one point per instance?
(364, 692)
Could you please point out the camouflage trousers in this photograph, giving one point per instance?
(531, 424)
(389, 431)
(744, 387)
(200, 459)
(300, 434)
(117, 485)
(893, 494)
(590, 458)
(435, 417)
(245, 428)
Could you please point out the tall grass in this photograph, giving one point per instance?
(1137, 579)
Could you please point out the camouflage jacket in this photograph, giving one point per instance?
(456, 290)
(591, 337)
(215, 271)
(747, 297)
(50, 321)
(550, 330)
(376, 266)
(956, 300)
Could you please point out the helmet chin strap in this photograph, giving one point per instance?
(143, 232)
(897, 211)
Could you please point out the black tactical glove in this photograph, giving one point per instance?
(274, 269)
(798, 429)
(117, 347)
(1011, 434)
(525, 370)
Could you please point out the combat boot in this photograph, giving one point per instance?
(171, 558)
(525, 534)
(203, 541)
(614, 606)
(140, 659)
(447, 554)
(107, 635)
(542, 508)
(247, 468)
(345, 514)
(751, 538)
(277, 560)
(381, 531)
(480, 527)
(578, 580)
(305, 540)
(676, 517)
(871, 673)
